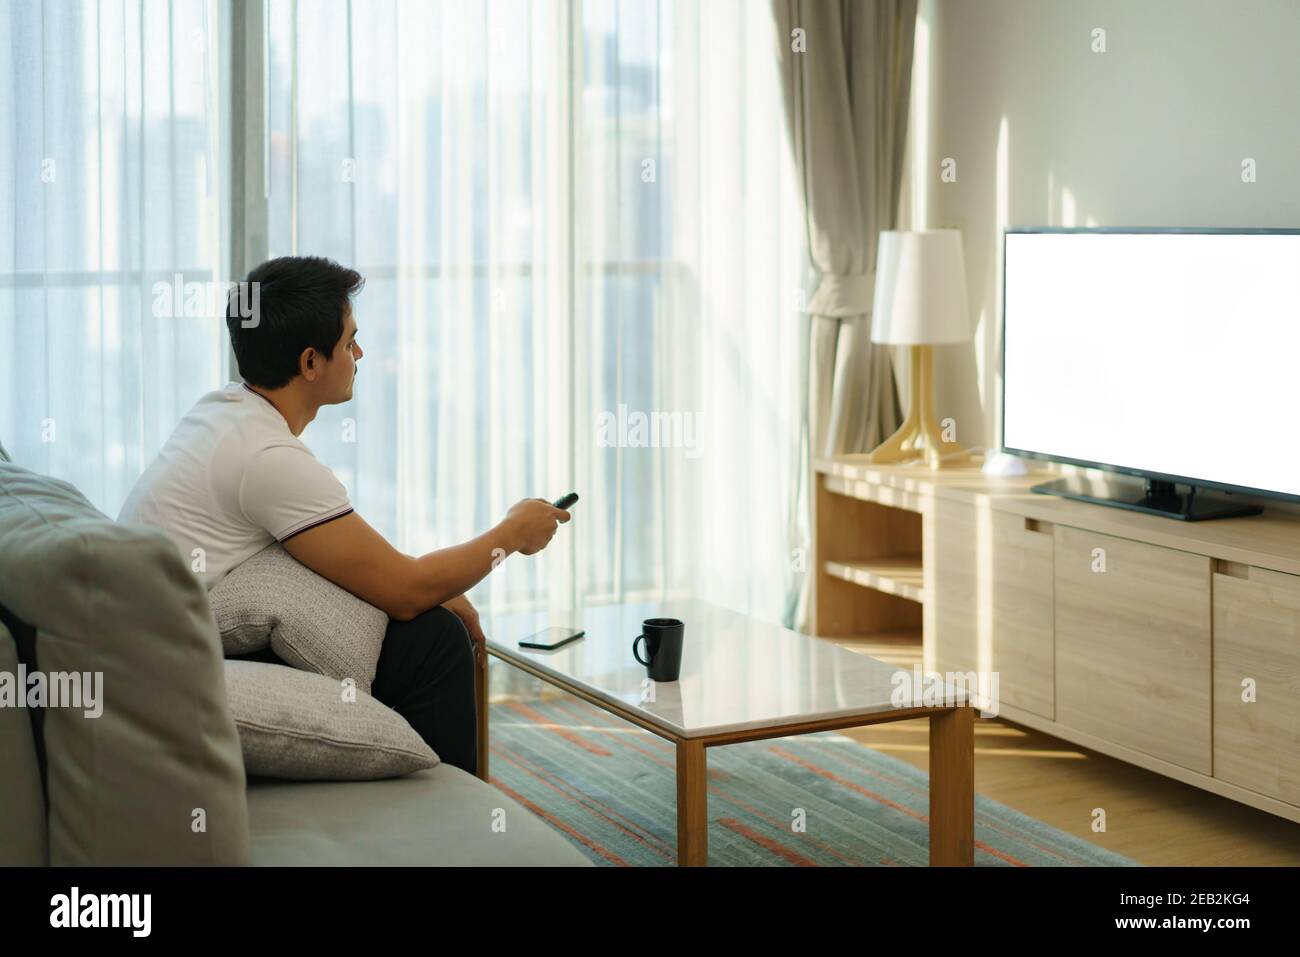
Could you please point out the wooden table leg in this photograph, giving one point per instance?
(952, 788)
(692, 805)
(481, 709)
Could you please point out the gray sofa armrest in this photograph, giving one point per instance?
(156, 778)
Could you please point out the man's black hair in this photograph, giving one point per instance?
(299, 302)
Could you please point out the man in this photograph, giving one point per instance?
(234, 477)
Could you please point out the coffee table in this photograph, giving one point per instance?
(741, 680)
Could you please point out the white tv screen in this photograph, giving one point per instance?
(1168, 353)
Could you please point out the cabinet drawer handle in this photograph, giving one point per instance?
(1231, 569)
(1036, 525)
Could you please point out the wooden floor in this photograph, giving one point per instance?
(1149, 818)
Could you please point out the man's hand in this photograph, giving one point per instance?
(532, 522)
(468, 614)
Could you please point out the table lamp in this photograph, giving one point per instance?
(920, 302)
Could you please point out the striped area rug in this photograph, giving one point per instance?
(610, 788)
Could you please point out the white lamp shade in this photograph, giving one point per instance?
(920, 289)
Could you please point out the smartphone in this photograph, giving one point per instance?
(551, 638)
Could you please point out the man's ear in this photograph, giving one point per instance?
(309, 364)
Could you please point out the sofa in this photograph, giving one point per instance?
(157, 778)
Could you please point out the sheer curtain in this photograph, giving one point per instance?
(111, 186)
(689, 251)
(581, 242)
(576, 220)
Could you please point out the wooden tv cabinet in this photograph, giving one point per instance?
(1174, 646)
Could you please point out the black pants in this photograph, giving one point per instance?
(426, 674)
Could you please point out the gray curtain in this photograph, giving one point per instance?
(846, 81)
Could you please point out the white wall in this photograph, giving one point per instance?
(1044, 131)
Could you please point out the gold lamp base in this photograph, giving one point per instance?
(920, 436)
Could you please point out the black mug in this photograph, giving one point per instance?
(663, 643)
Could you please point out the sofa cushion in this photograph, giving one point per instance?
(308, 621)
(22, 801)
(442, 816)
(157, 777)
(304, 726)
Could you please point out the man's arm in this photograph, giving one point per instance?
(354, 556)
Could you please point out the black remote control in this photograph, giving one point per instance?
(566, 502)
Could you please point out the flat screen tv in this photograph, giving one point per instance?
(1168, 355)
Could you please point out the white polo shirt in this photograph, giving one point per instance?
(231, 480)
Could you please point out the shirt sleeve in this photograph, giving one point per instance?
(286, 491)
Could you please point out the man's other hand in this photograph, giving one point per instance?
(468, 614)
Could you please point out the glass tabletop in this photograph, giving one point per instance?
(737, 673)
